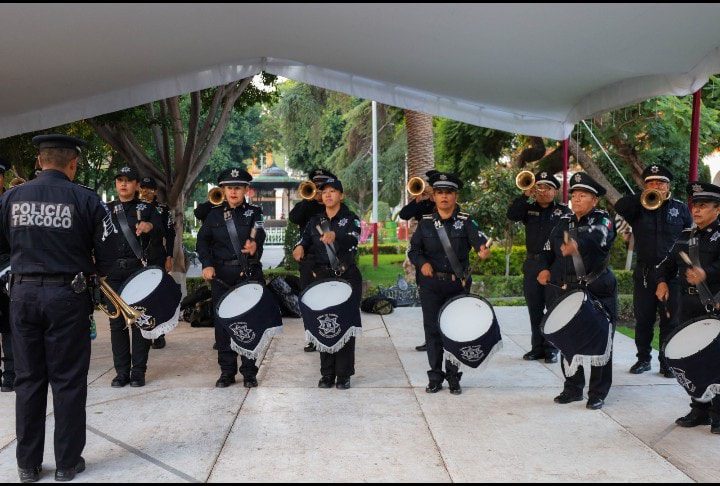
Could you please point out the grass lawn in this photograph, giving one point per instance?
(630, 332)
(389, 267)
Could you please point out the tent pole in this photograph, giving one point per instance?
(375, 184)
(695, 137)
(566, 158)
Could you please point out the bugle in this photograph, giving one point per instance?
(525, 180)
(130, 315)
(416, 186)
(307, 190)
(216, 196)
(651, 199)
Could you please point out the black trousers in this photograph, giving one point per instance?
(342, 363)
(51, 338)
(433, 295)
(537, 300)
(690, 307)
(227, 358)
(604, 289)
(128, 359)
(646, 307)
(8, 361)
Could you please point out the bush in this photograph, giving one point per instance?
(189, 242)
(194, 283)
(399, 248)
(495, 264)
(292, 236)
(625, 310)
(493, 286)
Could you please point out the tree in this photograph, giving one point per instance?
(173, 139)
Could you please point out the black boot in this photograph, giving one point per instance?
(715, 426)
(454, 383)
(250, 382)
(224, 381)
(159, 343)
(326, 382)
(69, 474)
(137, 379)
(120, 381)
(640, 367)
(422, 347)
(694, 418)
(309, 348)
(30, 475)
(8, 382)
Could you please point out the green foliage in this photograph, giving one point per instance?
(399, 248)
(389, 267)
(488, 200)
(292, 236)
(384, 212)
(495, 264)
(189, 242)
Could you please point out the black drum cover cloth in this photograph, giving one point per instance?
(578, 326)
(692, 352)
(157, 295)
(470, 331)
(287, 297)
(331, 314)
(251, 316)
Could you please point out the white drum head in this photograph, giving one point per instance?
(564, 311)
(692, 339)
(240, 300)
(327, 294)
(466, 319)
(141, 285)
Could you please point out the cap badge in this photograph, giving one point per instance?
(543, 175)
(125, 169)
(654, 169)
(234, 173)
(578, 177)
(443, 177)
(697, 188)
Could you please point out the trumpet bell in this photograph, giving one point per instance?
(216, 196)
(130, 315)
(525, 180)
(416, 186)
(652, 199)
(307, 190)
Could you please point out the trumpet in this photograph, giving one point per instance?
(307, 190)
(131, 315)
(216, 196)
(525, 180)
(651, 199)
(416, 186)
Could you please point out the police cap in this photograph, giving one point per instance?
(58, 141)
(445, 180)
(332, 182)
(319, 175)
(130, 172)
(545, 177)
(703, 191)
(4, 165)
(234, 177)
(656, 173)
(148, 182)
(583, 182)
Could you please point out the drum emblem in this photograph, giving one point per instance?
(682, 379)
(145, 322)
(472, 353)
(329, 328)
(242, 332)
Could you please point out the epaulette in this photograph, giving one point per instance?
(427, 216)
(462, 215)
(86, 187)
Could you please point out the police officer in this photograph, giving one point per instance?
(229, 246)
(7, 370)
(148, 194)
(139, 242)
(343, 234)
(655, 230)
(702, 244)
(539, 218)
(300, 214)
(51, 226)
(591, 234)
(438, 280)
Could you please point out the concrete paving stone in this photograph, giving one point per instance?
(330, 436)
(511, 435)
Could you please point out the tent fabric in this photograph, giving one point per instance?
(532, 69)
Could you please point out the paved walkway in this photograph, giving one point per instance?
(504, 427)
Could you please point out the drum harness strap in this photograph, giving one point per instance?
(583, 278)
(706, 297)
(128, 233)
(322, 228)
(235, 240)
(449, 252)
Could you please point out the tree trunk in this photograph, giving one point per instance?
(178, 254)
(589, 165)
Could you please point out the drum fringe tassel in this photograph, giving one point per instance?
(163, 328)
(711, 392)
(261, 346)
(354, 331)
(495, 349)
(592, 360)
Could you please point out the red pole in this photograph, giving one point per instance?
(695, 137)
(375, 245)
(566, 159)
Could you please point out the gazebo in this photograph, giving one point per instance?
(272, 190)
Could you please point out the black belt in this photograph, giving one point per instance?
(57, 278)
(231, 263)
(124, 263)
(445, 276)
(692, 291)
(533, 256)
(328, 270)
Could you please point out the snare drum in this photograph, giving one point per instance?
(692, 352)
(579, 327)
(470, 330)
(251, 316)
(331, 314)
(157, 295)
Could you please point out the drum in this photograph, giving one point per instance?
(579, 327)
(155, 293)
(470, 330)
(331, 314)
(251, 316)
(692, 352)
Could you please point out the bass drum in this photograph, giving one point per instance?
(157, 295)
(470, 330)
(331, 314)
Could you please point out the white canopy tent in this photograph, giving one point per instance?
(533, 69)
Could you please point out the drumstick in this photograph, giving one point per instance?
(566, 237)
(489, 243)
(685, 258)
(221, 282)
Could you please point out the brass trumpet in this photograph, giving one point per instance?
(525, 180)
(121, 307)
(651, 199)
(307, 190)
(416, 186)
(216, 196)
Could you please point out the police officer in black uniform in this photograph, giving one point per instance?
(138, 242)
(655, 230)
(438, 280)
(51, 226)
(148, 194)
(225, 267)
(705, 238)
(300, 214)
(7, 370)
(539, 218)
(591, 235)
(343, 234)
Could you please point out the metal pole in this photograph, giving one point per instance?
(566, 158)
(375, 185)
(695, 137)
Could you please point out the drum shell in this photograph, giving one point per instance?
(265, 311)
(347, 312)
(486, 343)
(698, 372)
(163, 302)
